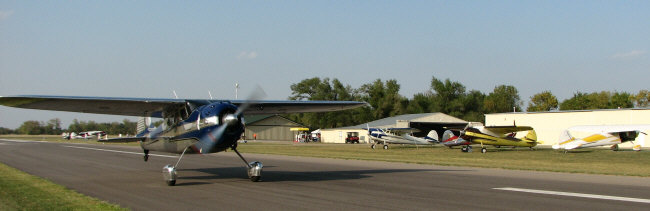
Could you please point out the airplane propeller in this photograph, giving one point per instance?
(230, 120)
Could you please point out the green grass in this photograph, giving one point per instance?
(591, 161)
(21, 191)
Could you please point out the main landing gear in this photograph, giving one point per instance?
(170, 175)
(373, 146)
(169, 171)
(254, 168)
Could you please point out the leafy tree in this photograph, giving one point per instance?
(53, 127)
(641, 99)
(502, 99)
(621, 100)
(6, 131)
(473, 106)
(317, 89)
(30, 127)
(598, 100)
(421, 103)
(579, 101)
(448, 97)
(544, 101)
(384, 98)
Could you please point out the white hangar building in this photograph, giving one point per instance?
(423, 122)
(549, 125)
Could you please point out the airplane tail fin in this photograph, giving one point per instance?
(531, 136)
(565, 137)
(447, 135)
(432, 137)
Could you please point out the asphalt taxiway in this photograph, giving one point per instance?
(118, 174)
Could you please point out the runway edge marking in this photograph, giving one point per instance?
(582, 195)
(125, 152)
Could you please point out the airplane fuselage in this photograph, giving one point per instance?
(478, 137)
(200, 132)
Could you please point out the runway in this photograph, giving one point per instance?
(118, 174)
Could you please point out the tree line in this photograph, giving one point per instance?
(446, 96)
(53, 127)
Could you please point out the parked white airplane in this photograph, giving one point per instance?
(83, 135)
(399, 136)
(602, 135)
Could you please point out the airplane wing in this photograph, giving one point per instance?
(609, 128)
(153, 107)
(403, 130)
(507, 129)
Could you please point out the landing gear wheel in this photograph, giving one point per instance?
(255, 171)
(169, 174)
(372, 146)
(483, 150)
(385, 146)
(146, 155)
(463, 149)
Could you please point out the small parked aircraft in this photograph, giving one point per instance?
(399, 136)
(603, 135)
(189, 126)
(476, 133)
(83, 135)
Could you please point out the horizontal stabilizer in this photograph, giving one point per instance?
(122, 140)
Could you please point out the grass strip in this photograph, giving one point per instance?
(21, 191)
(591, 160)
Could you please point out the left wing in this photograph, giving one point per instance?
(153, 107)
(609, 128)
(507, 129)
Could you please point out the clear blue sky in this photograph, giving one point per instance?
(149, 48)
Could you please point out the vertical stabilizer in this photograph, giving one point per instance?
(531, 136)
(432, 136)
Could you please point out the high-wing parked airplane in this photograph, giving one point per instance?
(189, 126)
(83, 135)
(602, 135)
(399, 136)
(475, 133)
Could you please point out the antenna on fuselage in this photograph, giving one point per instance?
(210, 94)
(236, 90)
(174, 91)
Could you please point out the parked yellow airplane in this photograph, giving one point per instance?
(498, 136)
(602, 135)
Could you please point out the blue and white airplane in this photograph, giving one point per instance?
(189, 126)
(387, 136)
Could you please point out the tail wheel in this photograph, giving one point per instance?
(385, 146)
(372, 146)
(483, 150)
